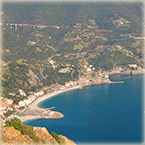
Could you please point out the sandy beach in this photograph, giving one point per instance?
(34, 105)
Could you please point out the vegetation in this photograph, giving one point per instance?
(8, 113)
(104, 35)
(15, 98)
(16, 123)
(59, 140)
(28, 130)
(15, 77)
(54, 77)
(24, 129)
(21, 108)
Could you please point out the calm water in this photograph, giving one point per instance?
(99, 113)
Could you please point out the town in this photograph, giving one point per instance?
(9, 109)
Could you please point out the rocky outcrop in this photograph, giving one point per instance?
(35, 80)
(11, 136)
(66, 140)
(43, 133)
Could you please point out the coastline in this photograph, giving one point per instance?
(40, 122)
(34, 105)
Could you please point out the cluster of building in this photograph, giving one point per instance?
(32, 97)
(134, 66)
(69, 84)
(7, 104)
(103, 74)
(89, 68)
(8, 118)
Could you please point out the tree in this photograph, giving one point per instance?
(24, 129)
(27, 129)
(59, 140)
(16, 123)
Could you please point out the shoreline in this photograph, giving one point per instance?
(26, 118)
(35, 105)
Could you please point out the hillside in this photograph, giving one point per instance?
(17, 133)
(49, 43)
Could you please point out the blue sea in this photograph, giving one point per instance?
(108, 113)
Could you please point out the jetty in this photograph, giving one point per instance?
(30, 114)
(127, 77)
(118, 82)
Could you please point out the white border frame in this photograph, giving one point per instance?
(1, 3)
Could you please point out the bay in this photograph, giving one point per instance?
(108, 113)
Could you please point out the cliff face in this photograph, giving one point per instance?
(43, 133)
(66, 140)
(11, 136)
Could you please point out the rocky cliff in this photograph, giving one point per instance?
(11, 136)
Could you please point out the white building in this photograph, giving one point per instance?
(16, 106)
(71, 83)
(133, 65)
(27, 101)
(74, 83)
(121, 23)
(32, 97)
(88, 69)
(54, 66)
(2, 108)
(67, 84)
(9, 101)
(40, 93)
(22, 103)
(12, 94)
(106, 76)
(22, 93)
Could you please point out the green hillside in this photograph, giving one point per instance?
(67, 35)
